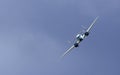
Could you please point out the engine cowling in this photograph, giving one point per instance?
(86, 33)
(76, 44)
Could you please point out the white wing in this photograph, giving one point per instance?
(92, 24)
(68, 50)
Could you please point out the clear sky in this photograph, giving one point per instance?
(35, 33)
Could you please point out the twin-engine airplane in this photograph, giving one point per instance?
(80, 37)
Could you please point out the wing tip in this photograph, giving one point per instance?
(97, 17)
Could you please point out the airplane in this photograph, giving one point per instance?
(80, 38)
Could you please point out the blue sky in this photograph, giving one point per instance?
(34, 34)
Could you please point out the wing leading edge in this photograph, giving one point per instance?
(92, 24)
(68, 51)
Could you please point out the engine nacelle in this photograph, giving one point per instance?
(76, 44)
(86, 33)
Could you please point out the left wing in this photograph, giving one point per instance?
(68, 50)
(92, 24)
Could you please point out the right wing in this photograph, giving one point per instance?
(92, 24)
(68, 51)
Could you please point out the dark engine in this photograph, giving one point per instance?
(86, 33)
(76, 44)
